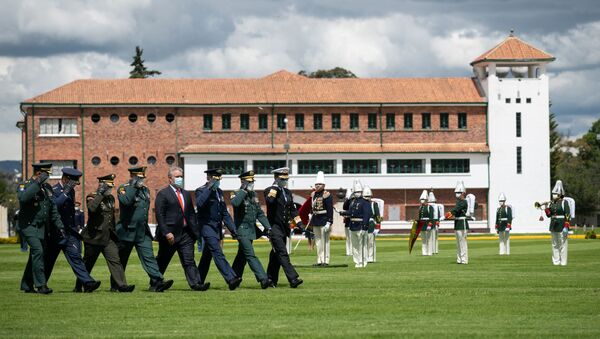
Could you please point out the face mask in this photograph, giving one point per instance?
(282, 183)
(554, 196)
(358, 194)
(178, 181)
(216, 184)
(140, 181)
(77, 209)
(250, 187)
(368, 198)
(457, 195)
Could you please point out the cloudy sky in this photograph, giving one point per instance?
(47, 43)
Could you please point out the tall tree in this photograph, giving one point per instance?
(337, 72)
(139, 70)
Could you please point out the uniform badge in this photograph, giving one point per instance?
(122, 190)
(272, 193)
(232, 195)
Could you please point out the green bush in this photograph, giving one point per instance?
(10, 240)
(590, 235)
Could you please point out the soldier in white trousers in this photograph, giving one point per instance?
(349, 198)
(461, 225)
(503, 224)
(438, 213)
(559, 212)
(374, 225)
(359, 213)
(321, 219)
(425, 224)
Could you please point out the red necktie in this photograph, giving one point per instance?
(180, 198)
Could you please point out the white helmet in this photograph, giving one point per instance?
(431, 197)
(367, 192)
(357, 186)
(423, 195)
(320, 178)
(502, 197)
(558, 188)
(460, 187)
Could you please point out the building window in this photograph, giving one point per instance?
(244, 122)
(95, 118)
(507, 100)
(58, 126)
(519, 161)
(133, 161)
(114, 117)
(336, 121)
(405, 166)
(518, 100)
(317, 121)
(408, 121)
(527, 100)
(263, 121)
(266, 166)
(444, 120)
(151, 117)
(313, 166)
(450, 165)
(133, 117)
(281, 121)
(230, 166)
(462, 120)
(58, 165)
(390, 121)
(426, 120)
(208, 122)
(96, 161)
(299, 121)
(114, 161)
(367, 166)
(518, 124)
(226, 122)
(170, 117)
(170, 160)
(372, 121)
(151, 160)
(354, 121)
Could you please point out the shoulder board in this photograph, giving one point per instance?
(91, 195)
(272, 193)
(232, 195)
(326, 194)
(122, 189)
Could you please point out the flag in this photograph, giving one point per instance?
(414, 234)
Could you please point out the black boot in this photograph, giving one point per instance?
(266, 283)
(162, 286)
(91, 286)
(44, 290)
(234, 283)
(296, 282)
(126, 288)
(201, 287)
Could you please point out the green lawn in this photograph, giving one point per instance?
(401, 295)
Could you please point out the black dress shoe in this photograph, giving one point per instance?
(296, 282)
(126, 288)
(163, 285)
(77, 289)
(44, 290)
(91, 286)
(266, 284)
(201, 287)
(234, 283)
(29, 290)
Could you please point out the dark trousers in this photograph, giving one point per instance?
(212, 250)
(279, 257)
(111, 255)
(185, 250)
(22, 241)
(34, 270)
(71, 247)
(146, 256)
(245, 254)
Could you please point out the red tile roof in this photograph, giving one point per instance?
(340, 148)
(514, 49)
(279, 88)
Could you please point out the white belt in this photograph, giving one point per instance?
(424, 218)
(356, 219)
(503, 219)
(558, 217)
(320, 212)
(461, 218)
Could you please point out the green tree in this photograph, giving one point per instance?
(337, 72)
(139, 70)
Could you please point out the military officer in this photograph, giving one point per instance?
(322, 218)
(246, 211)
(503, 224)
(426, 224)
(100, 236)
(212, 214)
(437, 215)
(64, 198)
(281, 212)
(559, 213)
(461, 225)
(37, 213)
(374, 225)
(133, 230)
(345, 207)
(360, 213)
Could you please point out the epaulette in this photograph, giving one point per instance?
(122, 188)
(22, 185)
(232, 195)
(272, 192)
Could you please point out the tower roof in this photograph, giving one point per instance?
(513, 49)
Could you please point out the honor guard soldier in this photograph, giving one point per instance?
(374, 225)
(438, 213)
(64, 198)
(133, 229)
(461, 225)
(344, 213)
(426, 224)
(246, 211)
(559, 212)
(100, 236)
(503, 224)
(359, 212)
(322, 218)
(37, 213)
(212, 214)
(281, 211)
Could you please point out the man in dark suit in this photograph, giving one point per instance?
(177, 228)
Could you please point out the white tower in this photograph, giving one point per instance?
(513, 77)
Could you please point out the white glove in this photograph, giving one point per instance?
(428, 228)
(361, 233)
(565, 231)
(376, 231)
(507, 229)
(327, 227)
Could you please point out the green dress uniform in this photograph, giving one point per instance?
(426, 223)
(503, 227)
(246, 211)
(133, 231)
(37, 214)
(559, 213)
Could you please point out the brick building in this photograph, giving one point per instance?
(398, 136)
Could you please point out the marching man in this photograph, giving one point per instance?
(349, 199)
(322, 218)
(559, 213)
(438, 213)
(461, 225)
(374, 225)
(360, 213)
(426, 224)
(503, 224)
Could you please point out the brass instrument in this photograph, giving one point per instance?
(539, 205)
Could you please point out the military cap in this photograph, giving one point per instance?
(248, 176)
(140, 171)
(72, 173)
(283, 172)
(215, 172)
(42, 166)
(108, 179)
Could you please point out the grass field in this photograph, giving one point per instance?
(401, 295)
